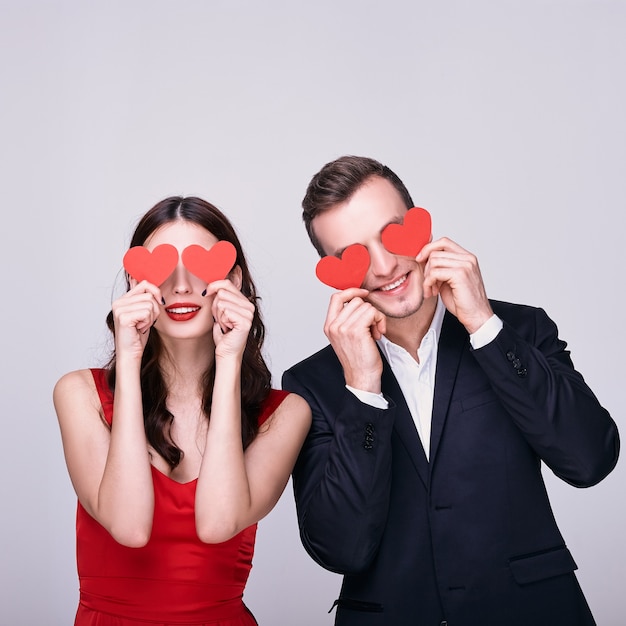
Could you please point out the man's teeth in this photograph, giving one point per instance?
(184, 309)
(393, 285)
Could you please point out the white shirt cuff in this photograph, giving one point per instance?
(486, 333)
(377, 400)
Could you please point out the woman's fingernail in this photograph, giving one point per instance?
(204, 293)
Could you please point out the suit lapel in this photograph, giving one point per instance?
(404, 426)
(452, 344)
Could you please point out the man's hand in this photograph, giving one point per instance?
(352, 327)
(453, 273)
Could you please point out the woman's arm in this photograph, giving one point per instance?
(110, 468)
(235, 488)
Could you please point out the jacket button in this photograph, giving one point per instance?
(522, 372)
(443, 623)
(510, 355)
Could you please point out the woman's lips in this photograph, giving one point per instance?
(182, 312)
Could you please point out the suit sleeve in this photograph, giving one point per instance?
(549, 401)
(342, 477)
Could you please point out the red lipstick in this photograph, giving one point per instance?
(182, 311)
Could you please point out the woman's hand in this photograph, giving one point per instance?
(134, 314)
(233, 314)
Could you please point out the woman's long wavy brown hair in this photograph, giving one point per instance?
(255, 375)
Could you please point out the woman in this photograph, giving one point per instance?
(179, 446)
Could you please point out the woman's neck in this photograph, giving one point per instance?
(184, 364)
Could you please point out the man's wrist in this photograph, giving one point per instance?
(486, 333)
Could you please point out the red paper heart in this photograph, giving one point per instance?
(212, 264)
(153, 266)
(408, 238)
(348, 271)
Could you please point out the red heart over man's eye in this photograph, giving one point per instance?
(348, 271)
(212, 264)
(411, 236)
(153, 266)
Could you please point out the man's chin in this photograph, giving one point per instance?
(400, 316)
(399, 310)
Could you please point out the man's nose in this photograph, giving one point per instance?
(382, 262)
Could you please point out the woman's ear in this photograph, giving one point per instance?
(235, 277)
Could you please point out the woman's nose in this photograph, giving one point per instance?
(182, 283)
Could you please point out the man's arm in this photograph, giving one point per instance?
(343, 475)
(531, 371)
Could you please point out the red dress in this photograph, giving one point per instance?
(175, 578)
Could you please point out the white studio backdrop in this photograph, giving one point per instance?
(504, 118)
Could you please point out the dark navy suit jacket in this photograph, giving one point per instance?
(469, 538)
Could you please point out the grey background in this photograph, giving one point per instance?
(504, 118)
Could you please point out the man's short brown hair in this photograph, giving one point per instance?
(337, 181)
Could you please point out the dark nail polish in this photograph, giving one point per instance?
(204, 293)
(163, 301)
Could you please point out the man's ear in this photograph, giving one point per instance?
(235, 277)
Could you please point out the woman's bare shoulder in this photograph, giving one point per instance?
(292, 409)
(77, 388)
(78, 380)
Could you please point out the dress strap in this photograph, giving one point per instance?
(104, 393)
(271, 403)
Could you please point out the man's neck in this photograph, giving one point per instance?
(408, 332)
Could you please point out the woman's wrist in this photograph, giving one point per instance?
(228, 361)
(127, 365)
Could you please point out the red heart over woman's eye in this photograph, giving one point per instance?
(408, 238)
(212, 264)
(348, 271)
(153, 266)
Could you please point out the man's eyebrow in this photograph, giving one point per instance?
(339, 253)
(396, 220)
(399, 219)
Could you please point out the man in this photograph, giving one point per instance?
(433, 407)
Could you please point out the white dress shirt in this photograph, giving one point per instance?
(417, 377)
